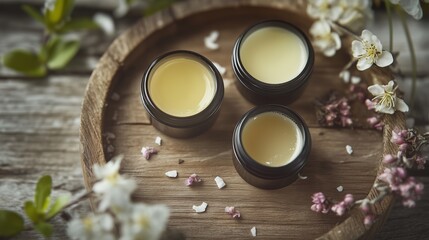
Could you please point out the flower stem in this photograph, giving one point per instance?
(413, 57)
(77, 200)
(389, 17)
(340, 28)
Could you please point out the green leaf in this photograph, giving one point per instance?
(78, 24)
(11, 223)
(25, 62)
(43, 191)
(58, 205)
(33, 13)
(44, 228)
(60, 12)
(31, 211)
(61, 52)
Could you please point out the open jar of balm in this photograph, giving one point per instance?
(271, 144)
(182, 92)
(272, 61)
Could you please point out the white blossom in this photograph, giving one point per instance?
(369, 51)
(324, 39)
(324, 9)
(144, 222)
(386, 100)
(91, 227)
(412, 7)
(105, 22)
(113, 189)
(355, 13)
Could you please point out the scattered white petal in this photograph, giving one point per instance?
(253, 231)
(171, 174)
(201, 208)
(345, 75)
(302, 177)
(210, 40)
(349, 149)
(158, 140)
(355, 80)
(219, 182)
(221, 69)
(105, 22)
(115, 97)
(340, 188)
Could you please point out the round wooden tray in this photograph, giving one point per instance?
(283, 213)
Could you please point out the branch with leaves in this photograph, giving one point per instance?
(57, 47)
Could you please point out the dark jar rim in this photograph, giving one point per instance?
(263, 88)
(188, 121)
(286, 171)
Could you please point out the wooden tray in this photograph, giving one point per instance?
(277, 214)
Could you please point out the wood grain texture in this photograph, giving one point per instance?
(39, 122)
(120, 71)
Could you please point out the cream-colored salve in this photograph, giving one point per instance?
(273, 55)
(271, 139)
(181, 86)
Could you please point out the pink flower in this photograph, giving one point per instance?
(194, 178)
(421, 162)
(399, 136)
(147, 152)
(233, 212)
(341, 207)
(369, 220)
(375, 122)
(403, 147)
(393, 176)
(370, 104)
(320, 203)
(411, 190)
(389, 159)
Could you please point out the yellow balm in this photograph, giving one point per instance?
(273, 55)
(271, 139)
(181, 86)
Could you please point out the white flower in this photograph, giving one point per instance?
(412, 7)
(113, 189)
(355, 13)
(326, 41)
(386, 100)
(369, 51)
(92, 227)
(144, 222)
(121, 9)
(105, 22)
(324, 9)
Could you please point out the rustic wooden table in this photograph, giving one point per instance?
(39, 118)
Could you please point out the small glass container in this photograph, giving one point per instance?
(271, 145)
(182, 92)
(272, 61)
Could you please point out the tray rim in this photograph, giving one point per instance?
(102, 78)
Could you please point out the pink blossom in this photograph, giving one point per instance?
(233, 212)
(191, 180)
(411, 190)
(370, 104)
(147, 152)
(341, 207)
(320, 203)
(421, 162)
(375, 122)
(389, 159)
(403, 147)
(399, 136)
(369, 220)
(393, 176)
